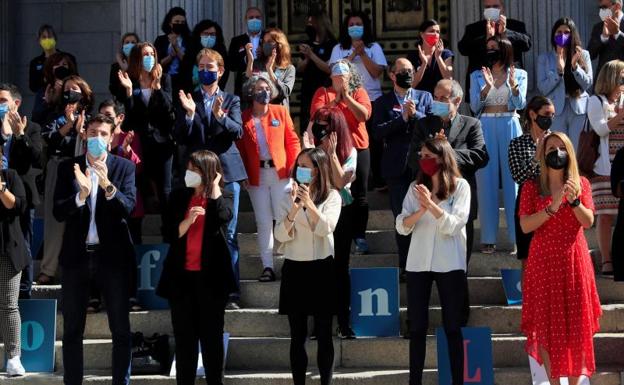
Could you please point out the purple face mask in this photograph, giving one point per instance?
(562, 39)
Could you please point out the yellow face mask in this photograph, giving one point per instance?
(48, 43)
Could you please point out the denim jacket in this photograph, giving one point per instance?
(477, 83)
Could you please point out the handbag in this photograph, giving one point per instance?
(150, 355)
(587, 155)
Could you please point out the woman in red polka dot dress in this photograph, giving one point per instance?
(561, 308)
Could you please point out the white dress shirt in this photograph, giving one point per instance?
(599, 111)
(437, 245)
(263, 144)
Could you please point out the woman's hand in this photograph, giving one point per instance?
(79, 126)
(569, 190)
(124, 79)
(424, 196)
(249, 52)
(576, 58)
(561, 60)
(195, 212)
(488, 77)
(303, 193)
(126, 146)
(557, 198)
(270, 63)
(330, 144)
(512, 77)
(216, 187)
(423, 58)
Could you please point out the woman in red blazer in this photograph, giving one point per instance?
(269, 148)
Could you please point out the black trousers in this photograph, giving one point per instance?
(359, 191)
(197, 317)
(343, 234)
(398, 188)
(451, 288)
(523, 241)
(325, 352)
(469, 245)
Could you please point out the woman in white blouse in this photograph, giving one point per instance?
(306, 222)
(435, 212)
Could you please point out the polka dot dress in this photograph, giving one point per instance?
(561, 308)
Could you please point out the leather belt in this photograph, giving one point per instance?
(267, 163)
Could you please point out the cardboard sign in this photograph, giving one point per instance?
(478, 361)
(38, 334)
(200, 363)
(375, 302)
(512, 284)
(150, 260)
(539, 376)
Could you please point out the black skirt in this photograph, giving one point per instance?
(523, 241)
(308, 288)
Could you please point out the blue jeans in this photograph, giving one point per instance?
(232, 237)
(112, 282)
(26, 222)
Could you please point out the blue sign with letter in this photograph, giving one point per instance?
(38, 334)
(150, 260)
(478, 362)
(375, 302)
(512, 283)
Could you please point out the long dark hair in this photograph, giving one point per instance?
(506, 50)
(368, 38)
(86, 102)
(323, 23)
(449, 172)
(175, 11)
(535, 104)
(322, 183)
(571, 86)
(337, 123)
(424, 27)
(202, 26)
(135, 61)
(55, 59)
(208, 164)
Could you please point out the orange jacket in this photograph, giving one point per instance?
(283, 142)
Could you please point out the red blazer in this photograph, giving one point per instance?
(283, 142)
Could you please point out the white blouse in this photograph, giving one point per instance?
(305, 243)
(599, 111)
(437, 245)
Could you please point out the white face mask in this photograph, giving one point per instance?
(192, 179)
(491, 14)
(605, 13)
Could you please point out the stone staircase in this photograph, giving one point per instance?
(259, 344)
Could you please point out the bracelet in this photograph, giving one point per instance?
(289, 220)
(549, 211)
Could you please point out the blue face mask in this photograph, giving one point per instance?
(356, 31)
(4, 108)
(440, 109)
(254, 25)
(96, 146)
(127, 48)
(263, 97)
(148, 62)
(304, 175)
(207, 77)
(208, 41)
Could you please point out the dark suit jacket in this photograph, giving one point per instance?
(111, 216)
(466, 138)
(605, 52)
(216, 263)
(396, 133)
(190, 61)
(617, 182)
(218, 137)
(237, 59)
(12, 238)
(473, 45)
(154, 121)
(25, 158)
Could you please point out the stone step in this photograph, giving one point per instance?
(268, 323)
(246, 353)
(369, 376)
(483, 291)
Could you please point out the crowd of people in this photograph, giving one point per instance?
(171, 140)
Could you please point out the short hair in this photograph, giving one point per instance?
(609, 77)
(456, 88)
(392, 67)
(101, 118)
(253, 8)
(46, 28)
(12, 89)
(212, 55)
(117, 106)
(55, 59)
(250, 85)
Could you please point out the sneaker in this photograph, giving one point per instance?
(268, 275)
(361, 246)
(488, 248)
(346, 333)
(232, 305)
(14, 367)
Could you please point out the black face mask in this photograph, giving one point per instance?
(70, 97)
(544, 122)
(178, 29)
(404, 79)
(557, 159)
(311, 32)
(320, 132)
(61, 72)
(492, 57)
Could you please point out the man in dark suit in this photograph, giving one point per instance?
(210, 119)
(607, 38)
(394, 118)
(473, 43)
(464, 134)
(238, 53)
(94, 196)
(21, 142)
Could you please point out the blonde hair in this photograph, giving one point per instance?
(609, 77)
(282, 47)
(212, 55)
(571, 172)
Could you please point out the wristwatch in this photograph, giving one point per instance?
(3, 188)
(110, 189)
(575, 203)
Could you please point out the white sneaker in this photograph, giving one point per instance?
(14, 367)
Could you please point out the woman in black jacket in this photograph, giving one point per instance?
(172, 46)
(13, 259)
(149, 112)
(197, 276)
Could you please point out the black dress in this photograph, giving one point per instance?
(617, 182)
(302, 292)
(313, 78)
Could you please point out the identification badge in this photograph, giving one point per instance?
(39, 67)
(275, 123)
(397, 108)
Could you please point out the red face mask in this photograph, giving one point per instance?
(431, 38)
(429, 166)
